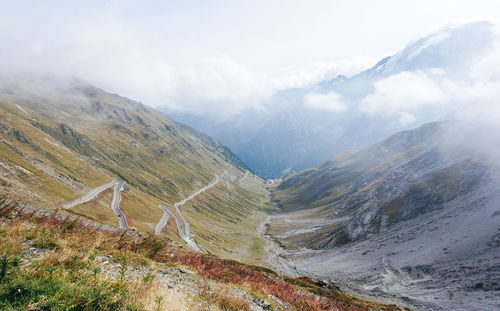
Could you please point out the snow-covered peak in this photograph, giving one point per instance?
(450, 48)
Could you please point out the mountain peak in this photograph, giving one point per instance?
(448, 48)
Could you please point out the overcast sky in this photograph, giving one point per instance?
(238, 52)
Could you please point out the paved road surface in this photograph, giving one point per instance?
(184, 231)
(163, 221)
(243, 178)
(188, 232)
(115, 204)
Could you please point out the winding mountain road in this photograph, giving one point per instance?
(243, 178)
(188, 232)
(164, 219)
(184, 230)
(115, 204)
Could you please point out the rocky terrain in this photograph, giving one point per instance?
(84, 177)
(410, 222)
(414, 217)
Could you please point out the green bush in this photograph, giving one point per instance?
(42, 238)
(68, 285)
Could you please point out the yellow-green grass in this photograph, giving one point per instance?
(46, 161)
(98, 209)
(141, 210)
(72, 147)
(225, 222)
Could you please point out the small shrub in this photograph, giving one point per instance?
(226, 300)
(159, 302)
(42, 238)
(123, 267)
(7, 265)
(148, 277)
(57, 288)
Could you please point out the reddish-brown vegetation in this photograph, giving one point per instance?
(260, 280)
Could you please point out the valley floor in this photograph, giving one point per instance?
(411, 264)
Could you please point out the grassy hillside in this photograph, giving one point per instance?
(60, 138)
(225, 219)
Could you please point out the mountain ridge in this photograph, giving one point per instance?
(63, 137)
(405, 217)
(288, 135)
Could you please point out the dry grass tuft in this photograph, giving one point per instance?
(161, 298)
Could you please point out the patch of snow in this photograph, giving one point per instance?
(428, 42)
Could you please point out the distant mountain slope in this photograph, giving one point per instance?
(62, 137)
(415, 213)
(291, 134)
(409, 174)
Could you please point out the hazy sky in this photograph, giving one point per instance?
(235, 52)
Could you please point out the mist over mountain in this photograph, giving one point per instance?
(433, 78)
(250, 155)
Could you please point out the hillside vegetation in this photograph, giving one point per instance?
(61, 138)
(51, 262)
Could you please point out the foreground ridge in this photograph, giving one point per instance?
(144, 268)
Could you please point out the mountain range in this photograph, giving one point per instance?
(299, 128)
(108, 204)
(358, 203)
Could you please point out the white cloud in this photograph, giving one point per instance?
(102, 47)
(410, 97)
(406, 118)
(127, 61)
(321, 71)
(403, 93)
(331, 102)
(132, 52)
(416, 97)
(217, 86)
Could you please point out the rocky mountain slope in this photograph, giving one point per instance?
(61, 138)
(415, 216)
(291, 132)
